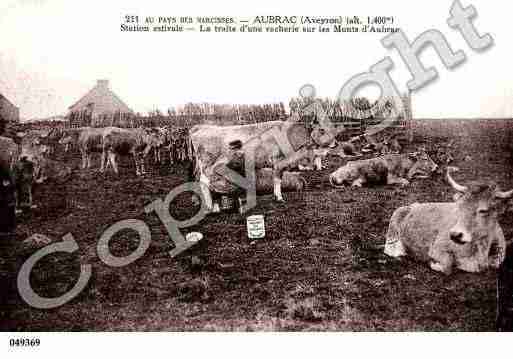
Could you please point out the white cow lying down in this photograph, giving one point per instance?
(464, 234)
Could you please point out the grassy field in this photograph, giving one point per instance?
(320, 268)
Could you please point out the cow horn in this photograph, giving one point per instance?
(452, 182)
(504, 195)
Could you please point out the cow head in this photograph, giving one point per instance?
(323, 137)
(478, 205)
(32, 149)
(344, 176)
(423, 165)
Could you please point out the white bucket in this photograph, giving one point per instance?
(194, 237)
(256, 226)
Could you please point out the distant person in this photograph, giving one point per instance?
(7, 202)
(24, 177)
(3, 125)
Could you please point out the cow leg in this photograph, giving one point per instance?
(318, 163)
(137, 172)
(137, 164)
(216, 208)
(441, 267)
(84, 160)
(242, 202)
(31, 204)
(277, 189)
(394, 247)
(141, 163)
(30, 198)
(17, 199)
(441, 261)
(104, 158)
(207, 195)
(112, 160)
(277, 176)
(37, 172)
(89, 159)
(359, 182)
(108, 162)
(445, 266)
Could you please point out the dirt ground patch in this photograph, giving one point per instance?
(320, 267)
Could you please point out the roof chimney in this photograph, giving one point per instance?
(103, 84)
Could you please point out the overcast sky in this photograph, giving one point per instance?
(53, 51)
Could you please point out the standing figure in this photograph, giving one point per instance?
(24, 179)
(7, 202)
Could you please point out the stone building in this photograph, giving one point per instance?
(8, 111)
(9, 116)
(100, 106)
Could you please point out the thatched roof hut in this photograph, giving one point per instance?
(100, 106)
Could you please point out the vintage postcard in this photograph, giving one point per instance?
(220, 166)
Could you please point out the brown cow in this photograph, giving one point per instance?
(178, 145)
(90, 140)
(20, 168)
(464, 234)
(68, 137)
(210, 150)
(158, 140)
(387, 169)
(121, 141)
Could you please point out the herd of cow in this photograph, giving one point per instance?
(463, 234)
(27, 159)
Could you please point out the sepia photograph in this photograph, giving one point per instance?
(271, 167)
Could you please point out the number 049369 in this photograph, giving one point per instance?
(24, 342)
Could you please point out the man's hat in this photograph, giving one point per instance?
(235, 145)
